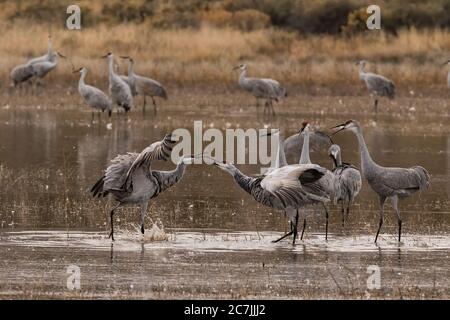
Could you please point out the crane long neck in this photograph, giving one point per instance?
(337, 160)
(281, 156)
(362, 72)
(130, 69)
(304, 157)
(50, 49)
(172, 177)
(111, 66)
(245, 182)
(243, 75)
(367, 164)
(81, 82)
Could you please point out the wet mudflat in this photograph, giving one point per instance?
(213, 240)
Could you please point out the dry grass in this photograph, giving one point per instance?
(206, 56)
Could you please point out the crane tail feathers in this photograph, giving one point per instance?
(424, 177)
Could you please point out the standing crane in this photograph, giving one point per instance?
(376, 84)
(387, 182)
(268, 89)
(326, 183)
(36, 67)
(119, 90)
(131, 180)
(348, 179)
(143, 86)
(94, 97)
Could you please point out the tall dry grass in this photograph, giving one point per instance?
(206, 56)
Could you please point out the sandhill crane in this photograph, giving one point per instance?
(448, 75)
(348, 179)
(268, 89)
(326, 183)
(376, 84)
(46, 57)
(144, 86)
(119, 90)
(287, 188)
(131, 180)
(387, 182)
(94, 97)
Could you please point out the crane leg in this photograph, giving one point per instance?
(145, 102)
(394, 201)
(271, 106)
(257, 105)
(376, 106)
(154, 106)
(286, 235)
(382, 200)
(348, 211)
(143, 214)
(326, 221)
(295, 228)
(342, 213)
(111, 214)
(92, 117)
(304, 227)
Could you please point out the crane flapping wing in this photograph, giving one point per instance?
(156, 151)
(286, 184)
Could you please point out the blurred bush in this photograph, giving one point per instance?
(306, 17)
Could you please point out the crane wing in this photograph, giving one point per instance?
(158, 150)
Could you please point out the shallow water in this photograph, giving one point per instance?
(218, 239)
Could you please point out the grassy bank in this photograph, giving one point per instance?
(206, 55)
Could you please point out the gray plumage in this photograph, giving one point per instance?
(131, 180)
(130, 83)
(347, 181)
(119, 90)
(377, 84)
(144, 86)
(287, 188)
(94, 97)
(261, 88)
(42, 68)
(21, 73)
(387, 182)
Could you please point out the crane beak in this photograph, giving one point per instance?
(124, 57)
(340, 127)
(61, 55)
(235, 68)
(270, 133)
(446, 62)
(105, 56)
(78, 70)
